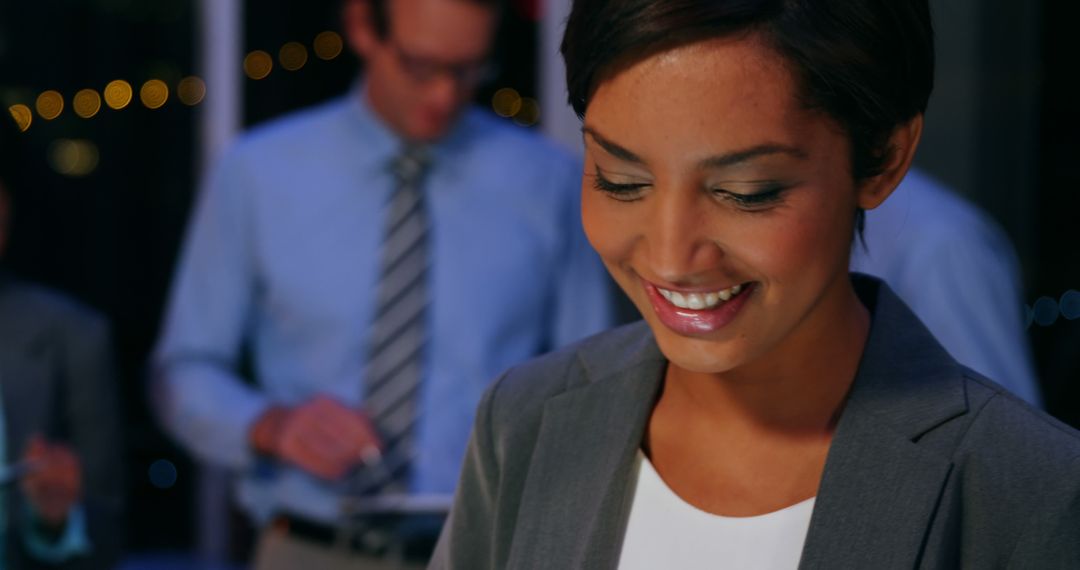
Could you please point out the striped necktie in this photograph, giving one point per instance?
(399, 329)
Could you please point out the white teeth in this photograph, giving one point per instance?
(698, 301)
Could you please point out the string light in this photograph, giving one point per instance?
(86, 103)
(1046, 311)
(1070, 304)
(328, 45)
(258, 64)
(73, 157)
(22, 115)
(506, 102)
(191, 90)
(293, 56)
(154, 94)
(529, 113)
(118, 94)
(49, 105)
(163, 474)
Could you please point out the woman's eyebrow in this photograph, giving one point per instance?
(718, 161)
(739, 156)
(613, 149)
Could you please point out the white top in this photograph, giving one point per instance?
(665, 531)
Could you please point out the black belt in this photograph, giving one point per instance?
(391, 537)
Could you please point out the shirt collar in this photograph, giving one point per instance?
(382, 143)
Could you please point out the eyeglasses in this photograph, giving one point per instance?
(424, 70)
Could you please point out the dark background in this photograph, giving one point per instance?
(110, 237)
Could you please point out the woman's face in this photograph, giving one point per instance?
(722, 207)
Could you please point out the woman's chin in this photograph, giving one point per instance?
(698, 355)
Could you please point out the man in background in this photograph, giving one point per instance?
(958, 272)
(382, 258)
(60, 464)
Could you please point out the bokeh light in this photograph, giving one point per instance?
(162, 474)
(1070, 304)
(73, 157)
(86, 103)
(154, 94)
(258, 64)
(506, 102)
(118, 94)
(529, 113)
(49, 105)
(22, 115)
(328, 45)
(1045, 311)
(293, 56)
(191, 90)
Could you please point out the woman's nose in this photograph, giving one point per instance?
(679, 240)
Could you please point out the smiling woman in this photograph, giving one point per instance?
(773, 410)
(711, 175)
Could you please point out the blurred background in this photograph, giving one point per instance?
(123, 103)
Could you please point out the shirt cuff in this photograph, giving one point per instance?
(73, 540)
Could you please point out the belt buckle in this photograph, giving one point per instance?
(356, 534)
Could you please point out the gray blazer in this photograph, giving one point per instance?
(931, 466)
(57, 378)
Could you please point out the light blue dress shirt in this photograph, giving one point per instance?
(282, 256)
(73, 541)
(958, 272)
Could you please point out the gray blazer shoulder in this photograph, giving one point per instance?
(522, 390)
(36, 308)
(1015, 485)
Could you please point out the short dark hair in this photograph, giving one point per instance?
(867, 64)
(380, 17)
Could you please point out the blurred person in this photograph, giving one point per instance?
(774, 410)
(60, 443)
(382, 257)
(957, 271)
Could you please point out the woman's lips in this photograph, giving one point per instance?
(697, 322)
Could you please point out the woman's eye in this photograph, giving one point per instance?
(619, 191)
(754, 201)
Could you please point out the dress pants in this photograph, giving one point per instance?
(278, 550)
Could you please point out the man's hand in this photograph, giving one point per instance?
(54, 486)
(321, 436)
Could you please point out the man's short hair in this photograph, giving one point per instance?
(380, 18)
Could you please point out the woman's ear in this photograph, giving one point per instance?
(356, 18)
(874, 190)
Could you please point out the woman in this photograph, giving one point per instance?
(772, 411)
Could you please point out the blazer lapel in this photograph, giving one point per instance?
(576, 498)
(876, 499)
(880, 489)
